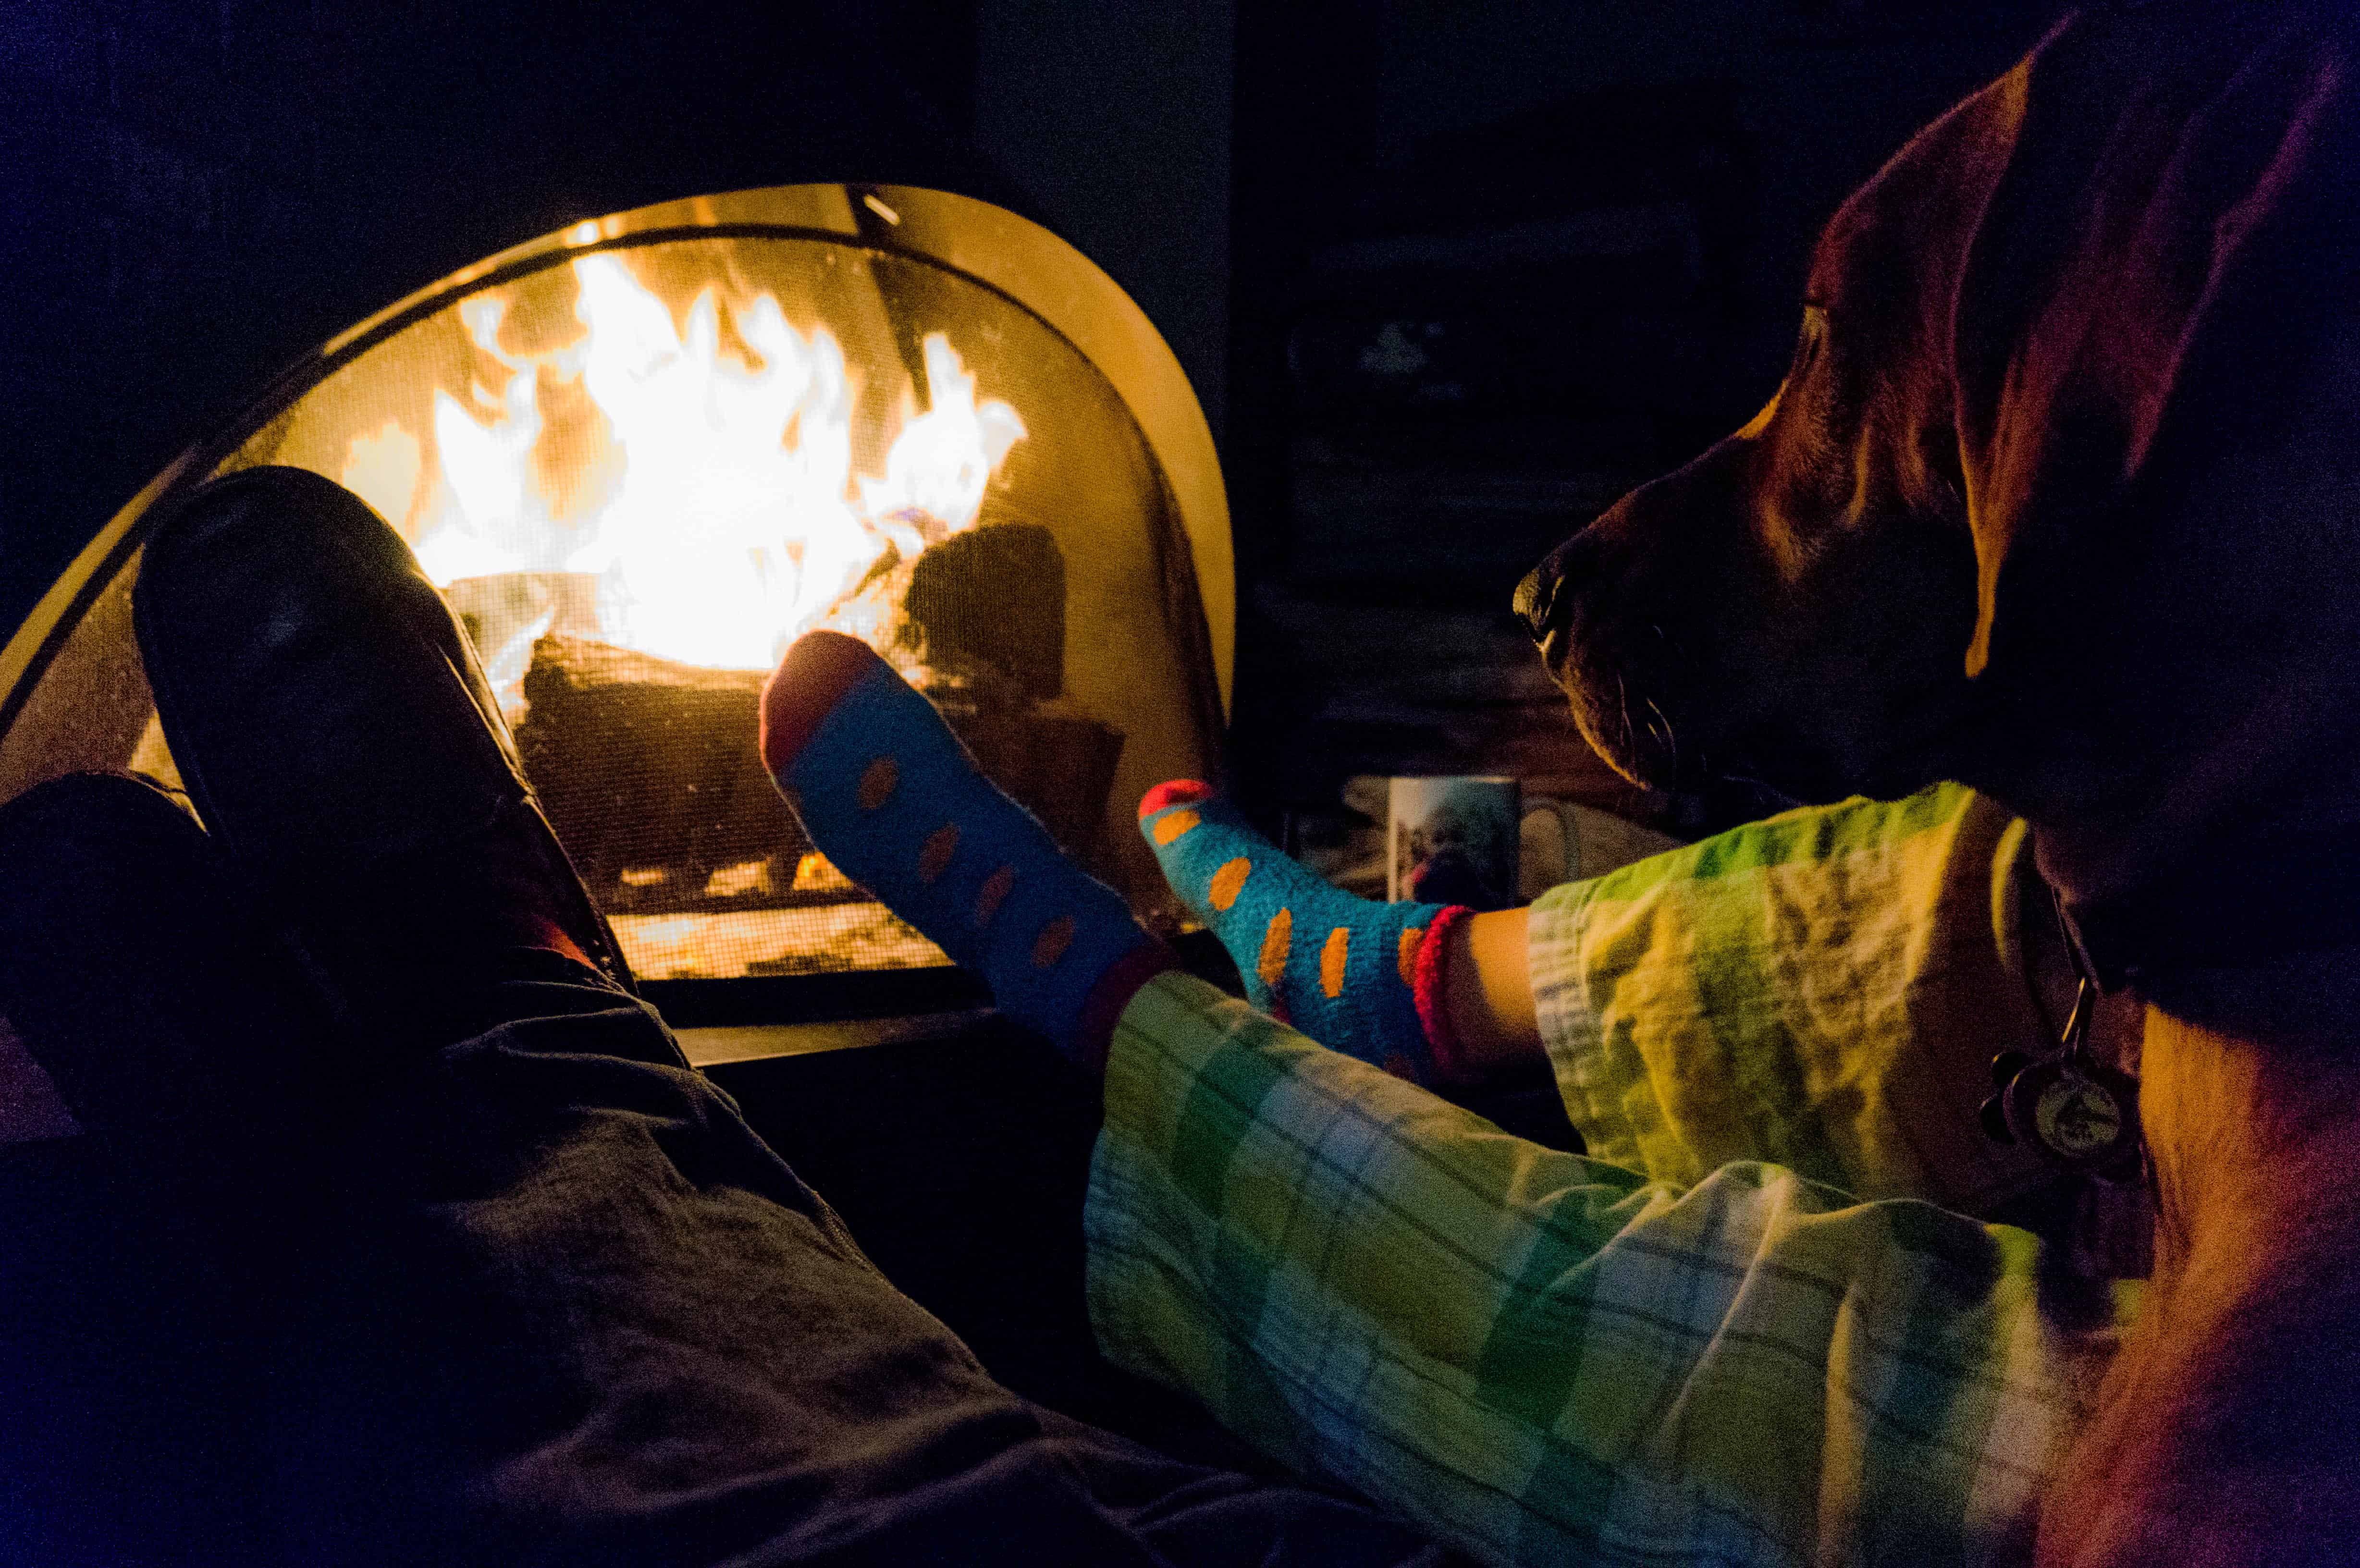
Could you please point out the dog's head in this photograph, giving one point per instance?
(2056, 494)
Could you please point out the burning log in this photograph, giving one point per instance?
(985, 610)
(648, 771)
(991, 603)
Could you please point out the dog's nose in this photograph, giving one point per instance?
(1536, 594)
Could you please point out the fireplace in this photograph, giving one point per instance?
(640, 455)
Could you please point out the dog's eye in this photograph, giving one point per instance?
(1793, 389)
(1806, 343)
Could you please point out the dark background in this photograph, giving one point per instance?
(1448, 275)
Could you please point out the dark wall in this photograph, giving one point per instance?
(1114, 118)
(1361, 121)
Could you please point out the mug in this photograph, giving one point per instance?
(1454, 840)
(1565, 841)
(1555, 840)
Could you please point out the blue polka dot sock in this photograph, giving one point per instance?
(891, 797)
(1356, 975)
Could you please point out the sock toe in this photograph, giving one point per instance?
(816, 672)
(884, 790)
(1172, 792)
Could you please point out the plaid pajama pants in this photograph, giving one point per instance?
(1696, 1347)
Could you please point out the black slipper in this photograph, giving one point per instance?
(338, 737)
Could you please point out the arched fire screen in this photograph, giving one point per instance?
(640, 455)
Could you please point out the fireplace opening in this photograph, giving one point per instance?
(642, 455)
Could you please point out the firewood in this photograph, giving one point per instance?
(990, 603)
(650, 773)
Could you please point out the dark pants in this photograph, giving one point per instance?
(634, 1334)
(544, 1297)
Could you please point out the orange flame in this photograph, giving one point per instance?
(717, 507)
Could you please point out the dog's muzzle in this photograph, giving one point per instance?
(1548, 601)
(1618, 686)
(1535, 596)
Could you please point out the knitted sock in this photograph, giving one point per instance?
(888, 794)
(1356, 975)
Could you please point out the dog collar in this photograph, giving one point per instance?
(2065, 1105)
(2280, 895)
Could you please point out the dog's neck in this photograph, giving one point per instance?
(2257, 936)
(2231, 1390)
(2226, 894)
(2229, 1401)
(2255, 1142)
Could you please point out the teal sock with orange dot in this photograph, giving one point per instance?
(891, 797)
(1356, 975)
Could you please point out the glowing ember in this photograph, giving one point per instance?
(711, 493)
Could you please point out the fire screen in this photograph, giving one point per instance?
(641, 457)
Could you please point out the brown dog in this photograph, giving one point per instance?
(2062, 497)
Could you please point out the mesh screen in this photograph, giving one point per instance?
(635, 489)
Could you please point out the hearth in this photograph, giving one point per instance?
(641, 454)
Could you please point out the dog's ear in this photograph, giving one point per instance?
(2176, 217)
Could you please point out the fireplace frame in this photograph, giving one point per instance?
(987, 245)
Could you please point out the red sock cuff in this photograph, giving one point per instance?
(1172, 792)
(1427, 991)
(806, 688)
(1110, 994)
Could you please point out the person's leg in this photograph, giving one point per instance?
(583, 1314)
(1544, 1358)
(1488, 989)
(142, 1257)
(626, 1331)
(886, 791)
(646, 1340)
(1826, 988)
(1428, 992)
(1540, 1356)
(559, 1303)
